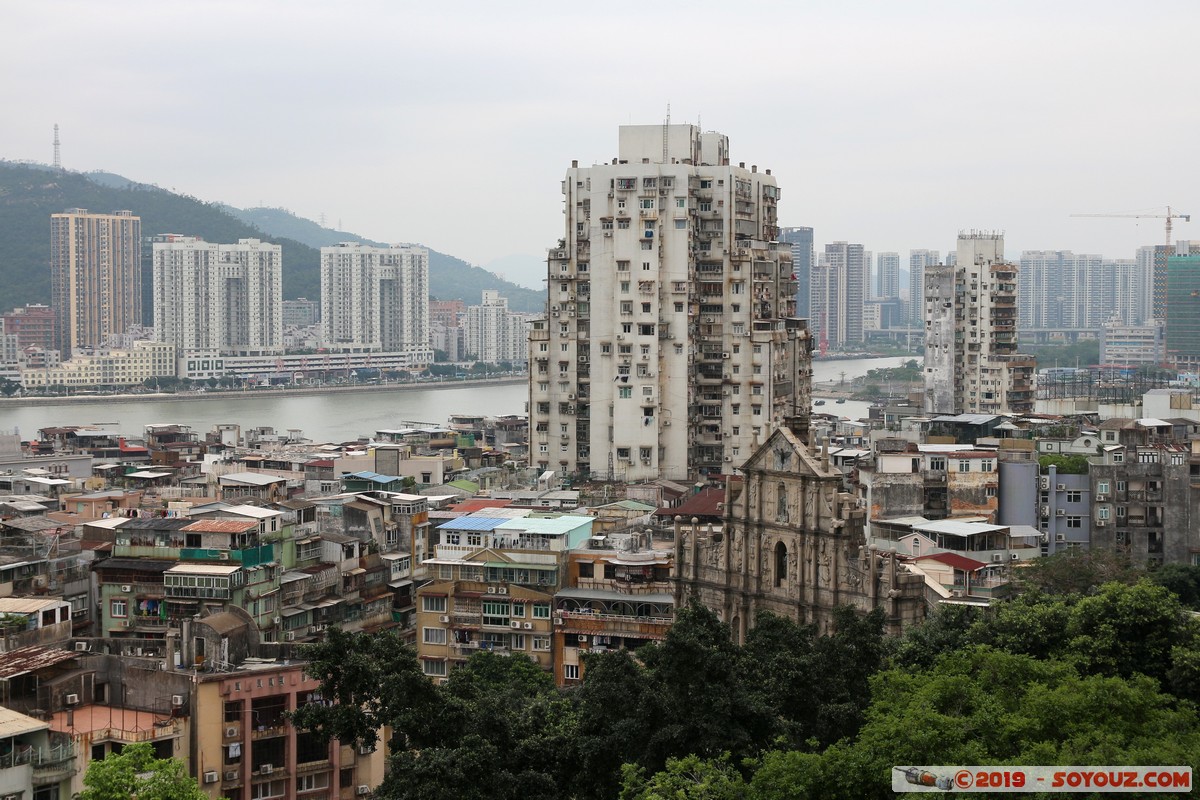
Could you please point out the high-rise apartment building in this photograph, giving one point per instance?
(887, 276)
(839, 287)
(95, 276)
(801, 240)
(33, 325)
(493, 333)
(971, 360)
(375, 298)
(918, 262)
(218, 298)
(301, 312)
(1183, 311)
(670, 345)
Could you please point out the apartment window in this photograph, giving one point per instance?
(625, 392)
(985, 465)
(679, 308)
(518, 641)
(647, 202)
(622, 224)
(1102, 487)
(541, 643)
(626, 306)
(624, 287)
(645, 453)
(1121, 486)
(1074, 522)
(964, 465)
(605, 349)
(705, 205)
(937, 463)
(308, 783)
(680, 202)
(647, 245)
(435, 605)
(989, 491)
(1121, 511)
(570, 672)
(119, 608)
(518, 609)
(1102, 512)
(756, 410)
(541, 611)
(645, 308)
(623, 453)
(433, 635)
(1074, 497)
(434, 668)
(495, 613)
(626, 327)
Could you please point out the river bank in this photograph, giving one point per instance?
(262, 392)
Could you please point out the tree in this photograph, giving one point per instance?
(1078, 571)
(688, 778)
(1183, 580)
(135, 771)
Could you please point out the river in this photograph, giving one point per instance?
(336, 417)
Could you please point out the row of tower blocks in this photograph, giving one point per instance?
(227, 299)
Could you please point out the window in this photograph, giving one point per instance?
(434, 635)
(1102, 512)
(964, 465)
(495, 613)
(119, 608)
(626, 306)
(1074, 522)
(570, 672)
(937, 463)
(541, 642)
(756, 410)
(624, 392)
(625, 287)
(1120, 511)
(680, 224)
(307, 783)
(518, 641)
(1121, 486)
(622, 224)
(259, 791)
(1102, 487)
(645, 308)
(587, 569)
(1074, 497)
(434, 668)
(436, 605)
(606, 349)
(541, 611)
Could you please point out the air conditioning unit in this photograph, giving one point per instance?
(620, 337)
(276, 620)
(724, 355)
(289, 636)
(583, 639)
(177, 700)
(1102, 498)
(1062, 512)
(81, 647)
(365, 749)
(1060, 537)
(72, 700)
(210, 776)
(1062, 487)
(363, 789)
(231, 775)
(1045, 511)
(514, 624)
(729, 458)
(266, 769)
(126, 588)
(491, 590)
(1100, 523)
(570, 397)
(501, 590)
(222, 556)
(444, 618)
(1014, 557)
(528, 626)
(1044, 482)
(645, 462)
(231, 732)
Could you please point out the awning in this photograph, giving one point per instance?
(659, 598)
(291, 612)
(400, 583)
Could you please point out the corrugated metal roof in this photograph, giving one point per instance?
(202, 569)
(26, 605)
(31, 659)
(31, 524)
(250, 478)
(553, 526)
(13, 723)
(472, 523)
(222, 526)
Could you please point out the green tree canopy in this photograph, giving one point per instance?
(136, 772)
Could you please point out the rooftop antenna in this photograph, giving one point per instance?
(666, 124)
(57, 149)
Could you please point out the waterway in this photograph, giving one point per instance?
(341, 416)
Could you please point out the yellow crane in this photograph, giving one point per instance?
(1170, 216)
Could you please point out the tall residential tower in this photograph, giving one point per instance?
(971, 360)
(669, 348)
(95, 276)
(223, 298)
(375, 298)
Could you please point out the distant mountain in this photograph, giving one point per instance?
(449, 277)
(29, 194)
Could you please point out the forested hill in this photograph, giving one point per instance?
(29, 194)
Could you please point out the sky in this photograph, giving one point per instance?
(891, 124)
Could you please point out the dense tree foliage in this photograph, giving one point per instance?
(1078, 571)
(136, 772)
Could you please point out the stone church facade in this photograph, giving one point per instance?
(793, 543)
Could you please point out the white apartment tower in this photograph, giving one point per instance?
(918, 261)
(887, 275)
(218, 298)
(971, 360)
(669, 348)
(493, 333)
(840, 282)
(375, 298)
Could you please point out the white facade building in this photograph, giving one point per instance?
(840, 283)
(887, 275)
(106, 368)
(669, 345)
(971, 360)
(375, 298)
(226, 298)
(493, 333)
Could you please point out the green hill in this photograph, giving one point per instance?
(29, 194)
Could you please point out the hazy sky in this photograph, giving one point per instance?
(894, 124)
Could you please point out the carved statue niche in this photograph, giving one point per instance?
(825, 562)
(781, 503)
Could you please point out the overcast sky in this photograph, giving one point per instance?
(894, 124)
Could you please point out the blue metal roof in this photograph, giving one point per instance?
(474, 523)
(374, 476)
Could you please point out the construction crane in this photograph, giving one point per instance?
(1169, 217)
